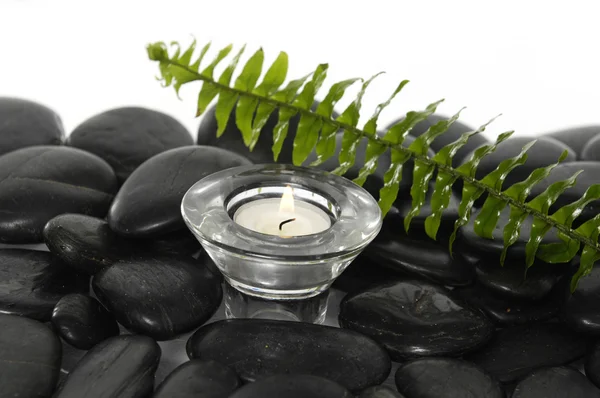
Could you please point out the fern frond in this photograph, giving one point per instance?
(317, 131)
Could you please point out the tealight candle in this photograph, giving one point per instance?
(284, 217)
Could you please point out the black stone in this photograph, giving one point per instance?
(199, 378)
(292, 386)
(517, 351)
(507, 312)
(543, 153)
(122, 366)
(32, 282)
(591, 151)
(363, 273)
(89, 245)
(560, 382)
(27, 123)
(257, 348)
(592, 364)
(589, 176)
(582, 308)
(148, 204)
(29, 358)
(127, 137)
(39, 183)
(575, 138)
(451, 135)
(445, 377)
(419, 256)
(160, 297)
(380, 392)
(415, 319)
(510, 280)
(82, 321)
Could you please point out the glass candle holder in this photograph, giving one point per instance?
(279, 231)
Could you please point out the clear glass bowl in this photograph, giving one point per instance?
(271, 266)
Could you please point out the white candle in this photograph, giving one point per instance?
(283, 217)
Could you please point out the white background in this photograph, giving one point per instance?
(536, 62)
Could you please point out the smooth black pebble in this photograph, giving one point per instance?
(292, 386)
(161, 297)
(517, 351)
(27, 123)
(380, 392)
(592, 364)
(122, 366)
(127, 137)
(39, 183)
(82, 321)
(591, 151)
(199, 378)
(576, 137)
(415, 319)
(582, 307)
(559, 382)
(148, 204)
(445, 377)
(33, 282)
(362, 273)
(257, 348)
(30, 356)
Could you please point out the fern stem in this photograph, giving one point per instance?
(423, 158)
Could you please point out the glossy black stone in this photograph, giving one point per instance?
(363, 273)
(257, 348)
(590, 175)
(516, 351)
(89, 245)
(82, 321)
(543, 153)
(122, 366)
(559, 382)
(582, 308)
(506, 311)
(510, 281)
(292, 386)
(127, 137)
(30, 356)
(159, 297)
(199, 378)
(380, 392)
(418, 256)
(27, 123)
(575, 138)
(148, 204)
(415, 319)
(591, 151)
(39, 183)
(592, 364)
(32, 282)
(445, 377)
(451, 135)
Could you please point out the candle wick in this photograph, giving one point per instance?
(285, 222)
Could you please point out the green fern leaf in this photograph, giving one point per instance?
(246, 105)
(196, 65)
(589, 255)
(209, 91)
(227, 99)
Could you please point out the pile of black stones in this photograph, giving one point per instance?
(99, 277)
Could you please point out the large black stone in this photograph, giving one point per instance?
(89, 245)
(148, 204)
(199, 378)
(122, 366)
(30, 355)
(544, 152)
(582, 308)
(559, 382)
(575, 138)
(257, 348)
(293, 386)
(82, 321)
(27, 123)
(592, 364)
(32, 282)
(591, 151)
(415, 319)
(506, 311)
(445, 377)
(39, 183)
(451, 135)
(517, 351)
(419, 256)
(362, 273)
(127, 137)
(380, 392)
(159, 297)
